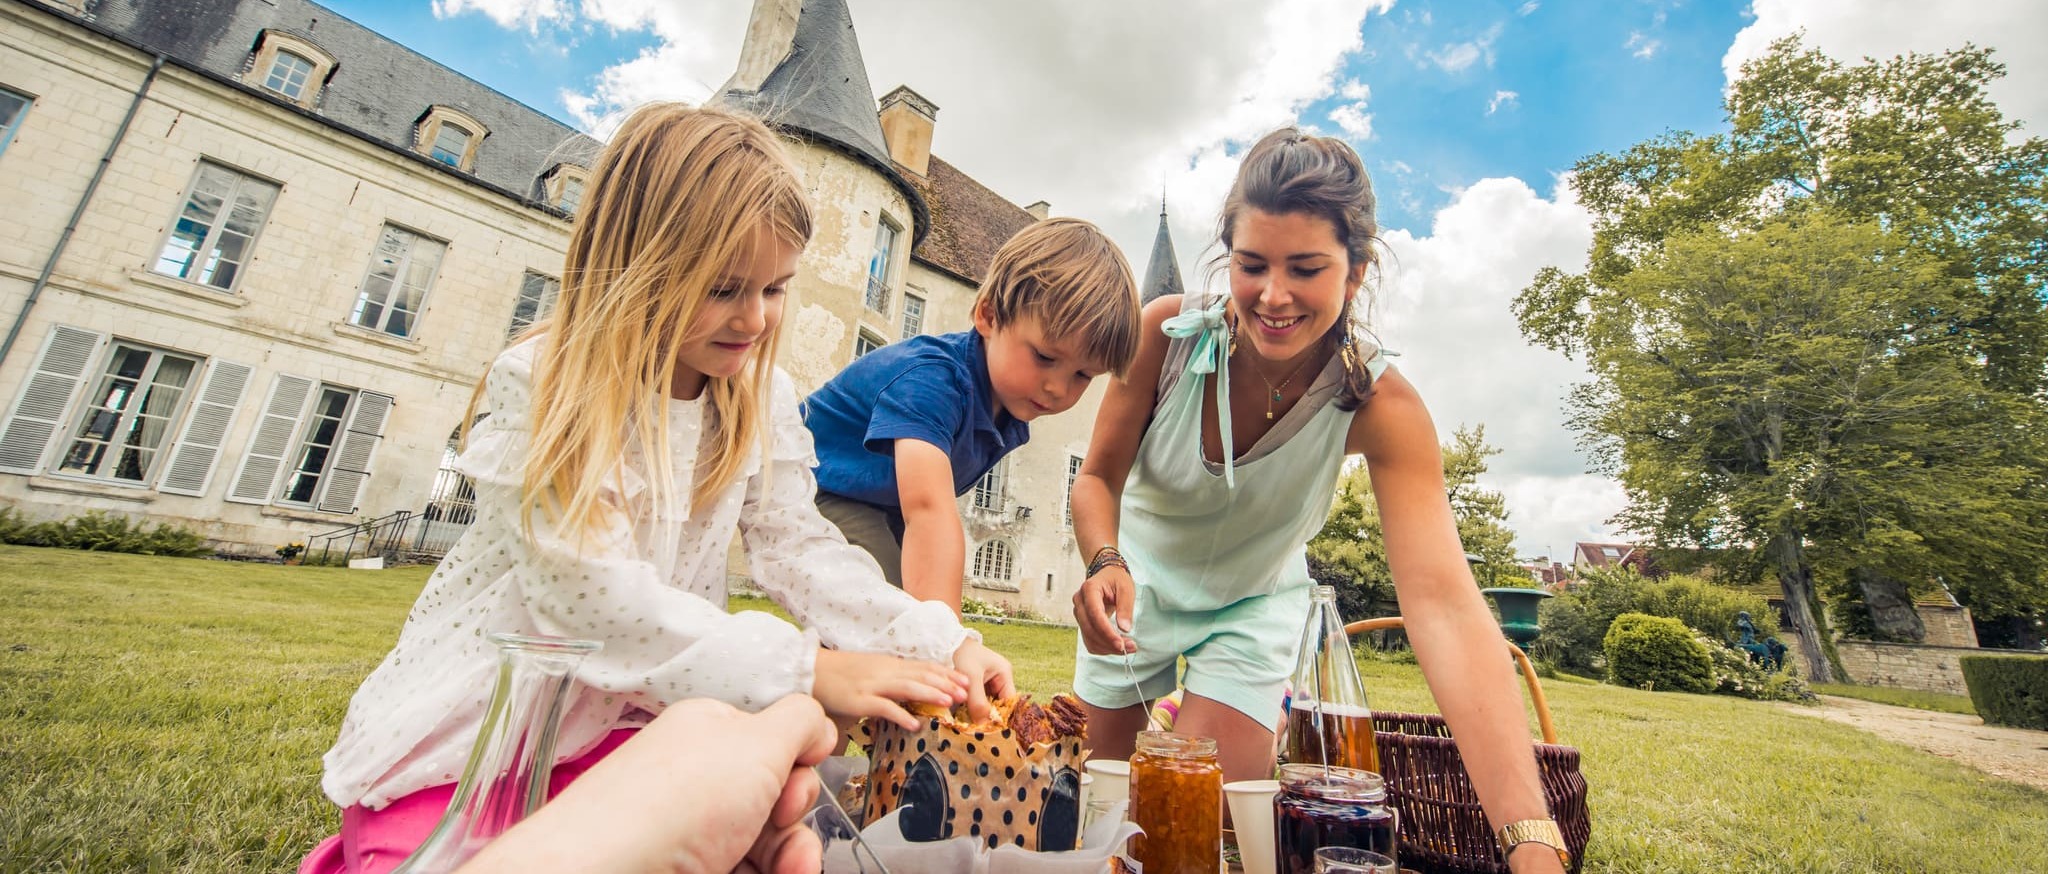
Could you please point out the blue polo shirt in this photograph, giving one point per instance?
(932, 388)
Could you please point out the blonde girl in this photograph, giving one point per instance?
(619, 446)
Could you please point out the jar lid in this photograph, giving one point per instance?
(1175, 744)
(1333, 783)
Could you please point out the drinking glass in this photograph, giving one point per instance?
(1346, 860)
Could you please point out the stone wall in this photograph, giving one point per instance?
(1947, 625)
(1906, 666)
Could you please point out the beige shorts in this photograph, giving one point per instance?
(875, 529)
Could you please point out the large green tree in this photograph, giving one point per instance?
(1351, 554)
(1818, 339)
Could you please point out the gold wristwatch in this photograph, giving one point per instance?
(1541, 831)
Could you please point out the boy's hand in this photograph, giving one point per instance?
(865, 684)
(1103, 610)
(988, 676)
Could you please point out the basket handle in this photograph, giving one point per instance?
(1528, 671)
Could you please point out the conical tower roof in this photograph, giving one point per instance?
(1162, 275)
(821, 88)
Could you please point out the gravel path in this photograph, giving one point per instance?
(2015, 754)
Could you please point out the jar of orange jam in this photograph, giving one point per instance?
(1177, 798)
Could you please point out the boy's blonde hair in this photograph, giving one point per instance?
(674, 201)
(1066, 273)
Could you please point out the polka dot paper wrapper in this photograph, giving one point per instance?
(993, 783)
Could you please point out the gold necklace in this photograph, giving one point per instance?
(1273, 391)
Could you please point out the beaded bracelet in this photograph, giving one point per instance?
(1106, 557)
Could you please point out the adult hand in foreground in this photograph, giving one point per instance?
(703, 789)
(1103, 609)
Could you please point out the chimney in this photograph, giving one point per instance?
(770, 32)
(1039, 210)
(907, 119)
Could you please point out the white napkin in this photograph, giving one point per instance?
(964, 855)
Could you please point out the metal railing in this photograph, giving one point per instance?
(399, 537)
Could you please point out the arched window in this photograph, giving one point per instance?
(289, 66)
(992, 561)
(450, 136)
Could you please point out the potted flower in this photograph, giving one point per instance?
(290, 552)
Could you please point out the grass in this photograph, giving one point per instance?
(1935, 701)
(169, 715)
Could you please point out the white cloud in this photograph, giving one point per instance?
(1528, 8)
(1444, 304)
(1508, 99)
(523, 14)
(1356, 122)
(1642, 46)
(1853, 29)
(1355, 90)
(1458, 56)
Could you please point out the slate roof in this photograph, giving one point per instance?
(1162, 275)
(821, 89)
(969, 222)
(378, 91)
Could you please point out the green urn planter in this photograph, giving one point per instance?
(1518, 608)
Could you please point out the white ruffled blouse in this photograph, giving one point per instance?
(660, 611)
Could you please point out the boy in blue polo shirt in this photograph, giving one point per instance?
(909, 427)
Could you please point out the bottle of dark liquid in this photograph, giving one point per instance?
(1323, 806)
(1328, 722)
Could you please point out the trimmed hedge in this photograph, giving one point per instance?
(1653, 652)
(2009, 689)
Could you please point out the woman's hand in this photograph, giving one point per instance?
(646, 808)
(988, 676)
(854, 684)
(1535, 858)
(1103, 610)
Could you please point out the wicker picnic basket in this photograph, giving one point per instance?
(1443, 830)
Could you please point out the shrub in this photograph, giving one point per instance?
(102, 532)
(1654, 652)
(1735, 674)
(1575, 623)
(2008, 690)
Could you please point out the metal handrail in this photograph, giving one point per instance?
(394, 520)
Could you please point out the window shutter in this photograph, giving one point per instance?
(213, 412)
(45, 396)
(256, 482)
(351, 465)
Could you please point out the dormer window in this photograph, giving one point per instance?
(290, 67)
(450, 136)
(563, 187)
(288, 75)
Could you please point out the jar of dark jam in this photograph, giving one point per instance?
(1329, 807)
(1177, 798)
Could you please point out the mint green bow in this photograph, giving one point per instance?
(1211, 355)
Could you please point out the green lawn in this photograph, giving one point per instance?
(169, 714)
(1934, 701)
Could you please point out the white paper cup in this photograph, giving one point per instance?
(1251, 816)
(1112, 779)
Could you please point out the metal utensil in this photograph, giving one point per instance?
(845, 825)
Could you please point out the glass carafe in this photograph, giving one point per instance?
(1328, 722)
(508, 771)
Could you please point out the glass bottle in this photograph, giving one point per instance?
(1177, 798)
(509, 768)
(1328, 722)
(1322, 807)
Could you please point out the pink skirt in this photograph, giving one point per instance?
(375, 841)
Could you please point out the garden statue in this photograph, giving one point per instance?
(1758, 652)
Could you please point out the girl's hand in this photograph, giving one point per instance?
(1103, 610)
(855, 684)
(988, 676)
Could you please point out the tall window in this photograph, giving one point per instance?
(316, 445)
(122, 428)
(988, 491)
(215, 233)
(288, 75)
(864, 342)
(401, 271)
(450, 144)
(13, 108)
(913, 316)
(537, 295)
(878, 266)
(1073, 473)
(572, 194)
(992, 561)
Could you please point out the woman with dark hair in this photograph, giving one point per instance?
(1215, 460)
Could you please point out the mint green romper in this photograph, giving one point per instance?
(1220, 551)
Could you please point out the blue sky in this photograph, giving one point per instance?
(1466, 114)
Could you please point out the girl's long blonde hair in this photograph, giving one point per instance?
(674, 201)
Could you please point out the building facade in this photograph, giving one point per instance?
(256, 258)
